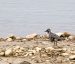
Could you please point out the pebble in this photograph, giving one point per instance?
(31, 36)
(2, 53)
(37, 49)
(65, 54)
(59, 34)
(72, 57)
(71, 37)
(25, 62)
(49, 49)
(9, 39)
(8, 52)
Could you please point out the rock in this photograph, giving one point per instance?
(72, 52)
(3, 62)
(25, 62)
(45, 43)
(37, 49)
(45, 36)
(64, 49)
(18, 38)
(63, 34)
(19, 51)
(65, 54)
(49, 49)
(31, 36)
(2, 53)
(24, 40)
(16, 47)
(72, 57)
(31, 51)
(71, 37)
(59, 50)
(9, 39)
(60, 33)
(8, 52)
(2, 39)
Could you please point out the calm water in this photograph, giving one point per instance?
(22, 17)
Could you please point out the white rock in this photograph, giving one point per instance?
(2, 53)
(66, 34)
(71, 37)
(9, 39)
(32, 51)
(72, 57)
(8, 52)
(31, 36)
(24, 40)
(72, 52)
(60, 33)
(16, 48)
(64, 54)
(64, 49)
(37, 49)
(30, 54)
(18, 37)
(49, 49)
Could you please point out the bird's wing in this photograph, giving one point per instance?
(54, 35)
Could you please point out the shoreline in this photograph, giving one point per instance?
(35, 48)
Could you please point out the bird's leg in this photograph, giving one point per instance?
(55, 42)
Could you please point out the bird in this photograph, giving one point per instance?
(53, 37)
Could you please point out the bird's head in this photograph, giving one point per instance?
(48, 30)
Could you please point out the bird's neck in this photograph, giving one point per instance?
(49, 32)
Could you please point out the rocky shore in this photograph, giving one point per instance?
(37, 49)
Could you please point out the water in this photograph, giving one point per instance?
(23, 17)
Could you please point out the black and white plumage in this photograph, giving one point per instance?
(53, 37)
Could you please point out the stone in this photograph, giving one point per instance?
(32, 51)
(64, 49)
(2, 39)
(9, 39)
(59, 50)
(4, 62)
(31, 36)
(37, 49)
(24, 40)
(60, 33)
(19, 51)
(18, 38)
(48, 49)
(72, 57)
(65, 54)
(25, 62)
(63, 34)
(71, 37)
(2, 53)
(8, 52)
(16, 47)
(72, 52)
